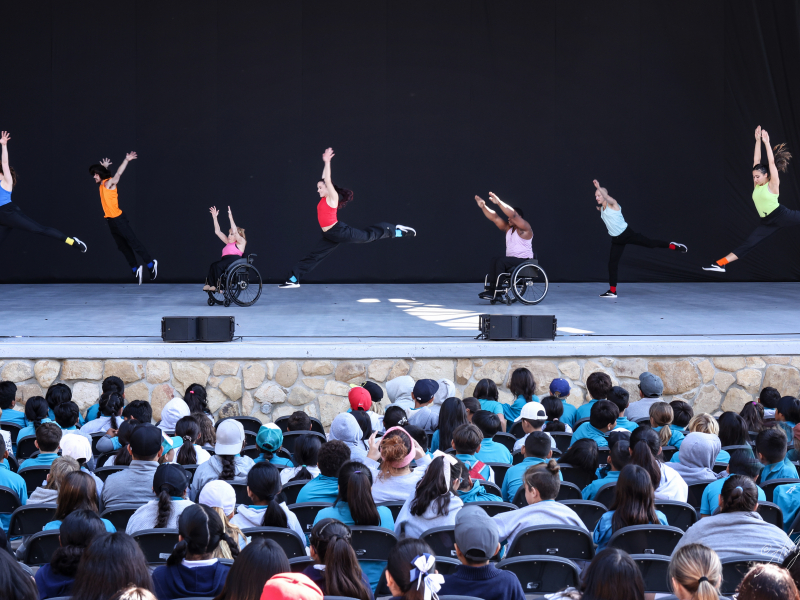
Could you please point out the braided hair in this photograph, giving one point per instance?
(228, 467)
(110, 406)
(187, 429)
(201, 530)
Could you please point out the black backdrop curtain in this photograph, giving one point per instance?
(426, 104)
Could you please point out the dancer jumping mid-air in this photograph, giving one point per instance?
(518, 241)
(622, 235)
(11, 215)
(233, 250)
(121, 231)
(334, 232)
(766, 185)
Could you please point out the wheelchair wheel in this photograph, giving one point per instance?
(529, 283)
(217, 297)
(243, 286)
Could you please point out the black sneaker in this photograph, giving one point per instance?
(79, 244)
(715, 267)
(290, 284)
(138, 274)
(486, 295)
(680, 247)
(609, 294)
(407, 231)
(153, 270)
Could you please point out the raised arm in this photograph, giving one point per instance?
(112, 183)
(8, 181)
(491, 215)
(217, 230)
(333, 196)
(757, 153)
(514, 218)
(604, 192)
(239, 239)
(774, 179)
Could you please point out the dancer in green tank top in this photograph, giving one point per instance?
(766, 186)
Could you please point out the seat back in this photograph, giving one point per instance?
(104, 472)
(291, 437)
(516, 458)
(241, 493)
(695, 496)
(287, 539)
(156, 544)
(9, 501)
(316, 424)
(542, 574)
(492, 488)
(299, 564)
(734, 569)
(40, 547)
(563, 439)
(606, 494)
(191, 470)
(101, 460)
(577, 476)
(771, 513)
(646, 539)
(96, 437)
(251, 451)
(679, 514)
(568, 491)
(580, 422)
(667, 452)
(394, 507)
(27, 520)
(655, 572)
(13, 429)
(441, 540)
(494, 508)
(120, 515)
(574, 543)
(500, 470)
(306, 512)
(589, 511)
(517, 431)
(444, 565)
(372, 543)
(769, 486)
(249, 423)
(291, 490)
(34, 477)
(506, 439)
(26, 446)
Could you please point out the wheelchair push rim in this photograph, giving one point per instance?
(243, 286)
(529, 283)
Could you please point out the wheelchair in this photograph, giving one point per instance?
(240, 284)
(526, 283)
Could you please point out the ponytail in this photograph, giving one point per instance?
(355, 488)
(331, 539)
(36, 410)
(661, 415)
(782, 157)
(646, 446)
(264, 481)
(697, 568)
(739, 494)
(228, 467)
(164, 507)
(306, 453)
(110, 406)
(188, 429)
(202, 530)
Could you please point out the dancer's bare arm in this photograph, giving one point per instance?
(522, 226)
(112, 183)
(491, 215)
(333, 196)
(7, 180)
(757, 152)
(611, 202)
(774, 179)
(240, 241)
(217, 230)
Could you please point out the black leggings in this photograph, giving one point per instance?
(502, 264)
(217, 268)
(12, 217)
(618, 244)
(777, 219)
(127, 242)
(341, 233)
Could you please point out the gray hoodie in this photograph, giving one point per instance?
(211, 469)
(411, 526)
(346, 429)
(134, 485)
(42, 495)
(697, 456)
(738, 534)
(399, 392)
(252, 516)
(146, 515)
(640, 409)
(447, 389)
(544, 513)
(424, 418)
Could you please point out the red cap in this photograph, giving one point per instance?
(359, 398)
(291, 586)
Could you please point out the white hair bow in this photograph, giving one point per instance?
(423, 565)
(449, 461)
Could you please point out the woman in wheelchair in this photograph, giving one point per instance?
(518, 241)
(233, 250)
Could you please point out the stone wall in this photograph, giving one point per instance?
(274, 388)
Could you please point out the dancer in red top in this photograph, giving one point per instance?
(334, 232)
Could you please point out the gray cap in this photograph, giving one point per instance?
(651, 385)
(476, 533)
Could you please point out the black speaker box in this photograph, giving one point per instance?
(197, 329)
(518, 327)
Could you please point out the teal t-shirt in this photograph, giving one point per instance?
(278, 461)
(11, 415)
(782, 470)
(45, 459)
(587, 430)
(590, 491)
(470, 460)
(493, 452)
(513, 478)
(676, 439)
(15, 483)
(570, 414)
(92, 412)
(320, 489)
(710, 501)
(30, 429)
(512, 411)
(602, 531)
(625, 423)
(585, 410)
(57, 525)
(492, 406)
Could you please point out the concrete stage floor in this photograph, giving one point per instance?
(422, 320)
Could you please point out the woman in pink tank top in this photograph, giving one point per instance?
(233, 250)
(518, 240)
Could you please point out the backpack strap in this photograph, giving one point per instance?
(475, 471)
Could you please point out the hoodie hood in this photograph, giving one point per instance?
(454, 505)
(447, 389)
(254, 516)
(42, 496)
(173, 411)
(477, 494)
(399, 391)
(346, 429)
(697, 456)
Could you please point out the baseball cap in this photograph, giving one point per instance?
(651, 385)
(145, 440)
(230, 437)
(269, 437)
(560, 387)
(359, 398)
(170, 443)
(172, 475)
(76, 446)
(476, 533)
(218, 494)
(375, 391)
(424, 390)
(533, 411)
(292, 586)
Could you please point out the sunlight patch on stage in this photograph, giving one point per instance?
(573, 330)
(369, 300)
(452, 318)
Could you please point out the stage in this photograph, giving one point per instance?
(403, 320)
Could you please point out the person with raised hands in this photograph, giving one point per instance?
(235, 242)
(393, 478)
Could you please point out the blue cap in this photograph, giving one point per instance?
(424, 390)
(560, 387)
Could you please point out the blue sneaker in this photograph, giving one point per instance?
(405, 231)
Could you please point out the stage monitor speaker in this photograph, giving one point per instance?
(518, 327)
(198, 329)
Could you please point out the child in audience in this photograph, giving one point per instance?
(695, 572)
(602, 419)
(122, 458)
(56, 394)
(173, 411)
(170, 485)
(48, 437)
(110, 384)
(661, 416)
(189, 453)
(612, 575)
(77, 492)
(365, 424)
(226, 464)
(221, 498)
(256, 564)
(109, 415)
(582, 455)
(788, 415)
(434, 503)
(191, 569)
(346, 429)
(336, 570)
(447, 389)
(12, 481)
(67, 416)
(471, 490)
(536, 450)
(753, 415)
(560, 389)
(324, 488)
(8, 393)
(111, 563)
(742, 463)
(491, 451)
(269, 440)
(399, 390)
(208, 434)
(395, 417)
(769, 398)
(36, 412)
(360, 399)
(393, 479)
(471, 406)
(645, 448)
(599, 387)
(703, 423)
(554, 409)
(452, 414)
(634, 504)
(487, 394)
(422, 415)
(298, 421)
(541, 485)
(698, 452)
(139, 410)
(196, 398)
(620, 397)
(682, 413)
(59, 469)
(411, 570)
(766, 581)
(477, 540)
(467, 441)
(419, 436)
(306, 455)
(263, 488)
(771, 446)
(618, 458)
(523, 387)
(533, 417)
(732, 430)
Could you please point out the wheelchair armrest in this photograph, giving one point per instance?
(250, 258)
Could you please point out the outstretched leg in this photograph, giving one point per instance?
(614, 257)
(12, 217)
(323, 248)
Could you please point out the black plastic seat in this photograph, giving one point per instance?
(542, 574)
(578, 423)
(734, 569)
(492, 488)
(34, 477)
(494, 508)
(120, 515)
(249, 423)
(293, 545)
(96, 437)
(40, 547)
(679, 514)
(667, 452)
(695, 495)
(738, 447)
(506, 439)
(445, 565)
(299, 564)
(567, 491)
(251, 451)
(316, 424)
(291, 437)
(771, 513)
(372, 544)
(241, 493)
(589, 511)
(720, 467)
(579, 477)
(13, 429)
(27, 520)
(769, 486)
(191, 469)
(500, 470)
(12, 464)
(516, 430)
(562, 439)
(602, 455)
(441, 540)
(655, 572)
(9, 501)
(156, 544)
(100, 461)
(306, 512)
(516, 457)
(574, 543)
(291, 490)
(104, 472)
(646, 539)
(394, 506)
(26, 446)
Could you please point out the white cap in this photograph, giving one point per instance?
(533, 411)
(76, 446)
(230, 437)
(173, 411)
(218, 494)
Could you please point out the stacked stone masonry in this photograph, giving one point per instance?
(274, 388)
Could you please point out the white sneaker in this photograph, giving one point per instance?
(154, 270)
(289, 284)
(609, 294)
(715, 267)
(80, 244)
(680, 247)
(407, 231)
(138, 274)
